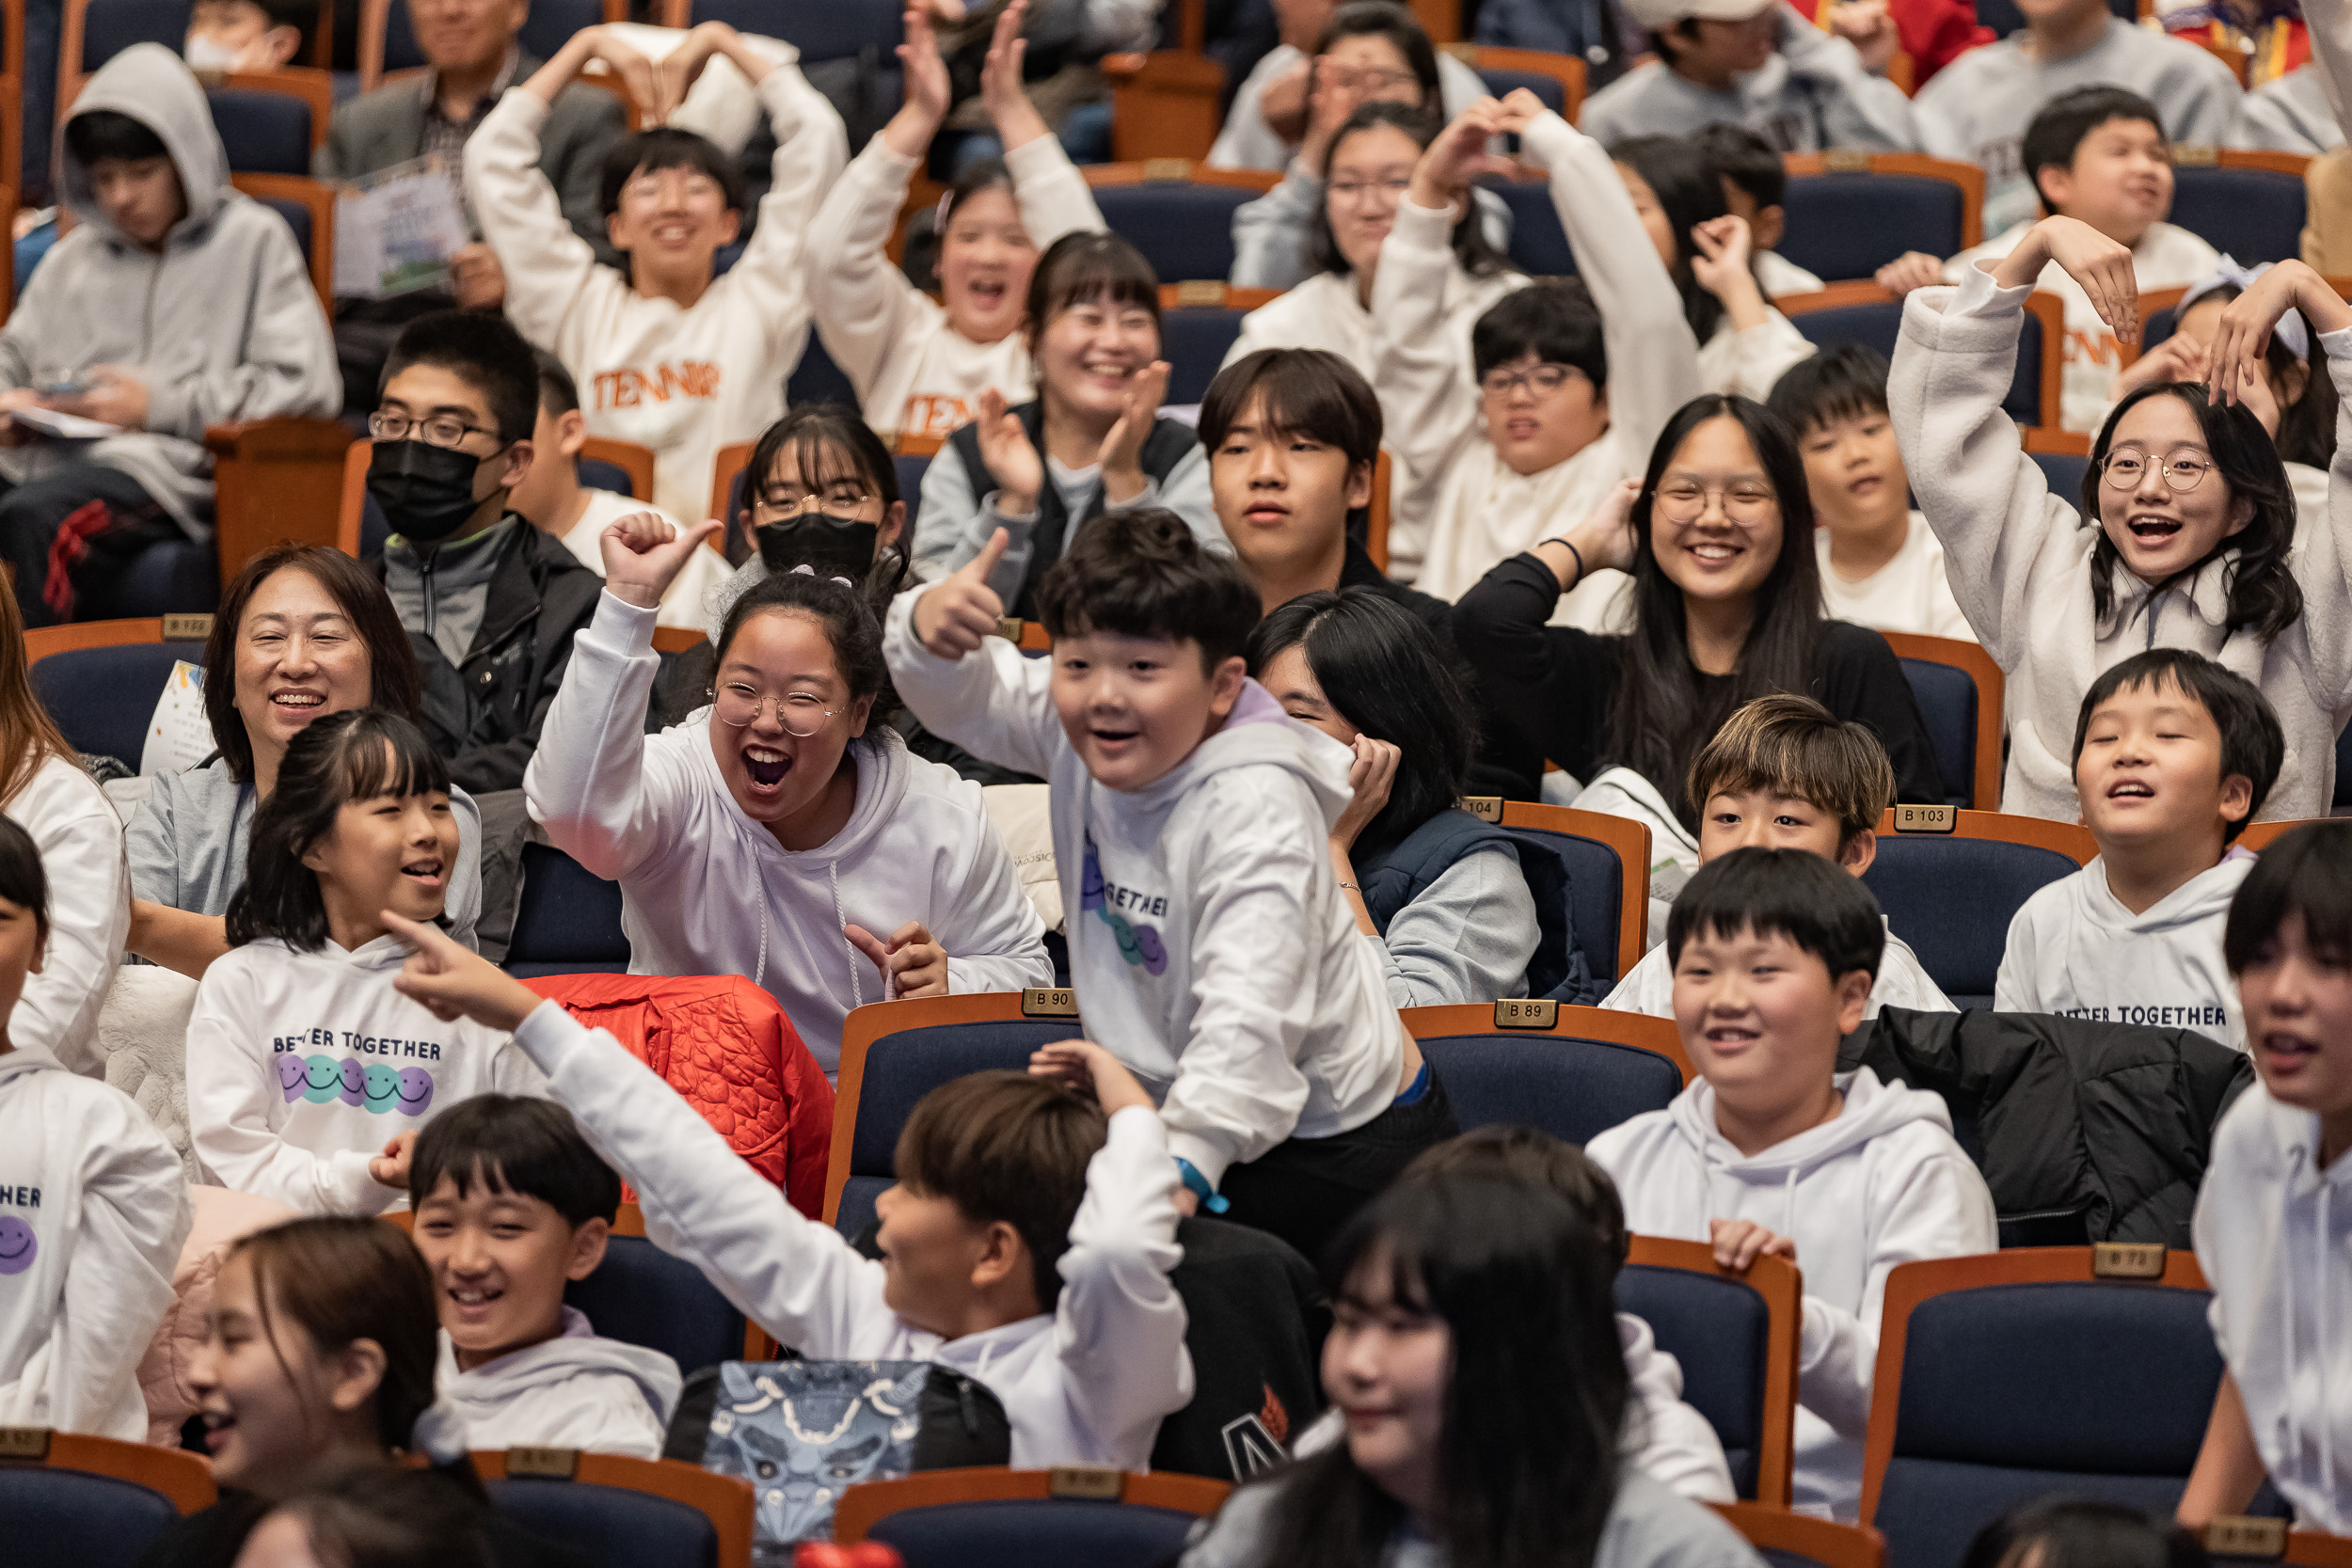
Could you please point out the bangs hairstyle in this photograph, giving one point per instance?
(485, 352)
(2308, 873)
(1472, 250)
(1792, 746)
(1553, 319)
(1531, 1157)
(2083, 1532)
(1847, 382)
(101, 134)
(2253, 746)
(659, 148)
(2056, 133)
(1747, 160)
(850, 617)
(1785, 893)
(988, 174)
(2264, 597)
(393, 684)
(1527, 1450)
(558, 394)
(1301, 391)
(1687, 187)
(1381, 19)
(1087, 268)
(1143, 573)
(2307, 426)
(357, 754)
(1382, 671)
(23, 880)
(1661, 713)
(830, 442)
(1006, 1146)
(511, 1144)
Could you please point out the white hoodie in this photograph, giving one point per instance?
(1087, 1384)
(303, 1066)
(2076, 951)
(1326, 312)
(2274, 1238)
(1903, 982)
(93, 1209)
(705, 889)
(1879, 1184)
(80, 839)
(573, 1391)
(1210, 947)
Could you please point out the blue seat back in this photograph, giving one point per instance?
(102, 698)
(548, 26)
(298, 218)
(821, 29)
(72, 1519)
(1194, 340)
(1720, 1330)
(1539, 247)
(1502, 84)
(597, 474)
(162, 579)
(817, 379)
(2012, 1393)
(262, 132)
(1024, 1532)
(1951, 899)
(607, 1525)
(912, 467)
(567, 920)
(2064, 471)
(2254, 215)
(1947, 702)
(2343, 769)
(642, 1295)
(1579, 892)
(1185, 231)
(1845, 226)
(1878, 324)
(110, 26)
(902, 1068)
(1572, 1088)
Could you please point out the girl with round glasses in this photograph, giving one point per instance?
(782, 831)
(2193, 540)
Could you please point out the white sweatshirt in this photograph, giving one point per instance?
(1324, 312)
(1087, 1384)
(2274, 1237)
(1881, 1183)
(1211, 946)
(1903, 982)
(1456, 508)
(80, 840)
(682, 382)
(705, 889)
(1747, 364)
(916, 374)
(705, 571)
(2019, 562)
(574, 1391)
(1910, 594)
(2076, 951)
(303, 1066)
(2165, 257)
(93, 1209)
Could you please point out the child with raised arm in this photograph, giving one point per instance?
(2196, 544)
(1210, 936)
(667, 354)
(1027, 1244)
(919, 367)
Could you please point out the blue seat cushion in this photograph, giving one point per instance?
(1930, 1510)
(607, 1525)
(2064, 473)
(1582, 876)
(1848, 225)
(566, 920)
(102, 698)
(1951, 899)
(262, 132)
(298, 218)
(1024, 1533)
(1502, 84)
(1571, 1088)
(597, 474)
(1539, 247)
(162, 579)
(1194, 340)
(1720, 1329)
(1947, 703)
(110, 26)
(59, 1517)
(821, 29)
(912, 467)
(2255, 214)
(817, 379)
(1877, 324)
(642, 1295)
(1185, 231)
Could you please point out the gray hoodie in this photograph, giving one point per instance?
(222, 325)
(573, 1391)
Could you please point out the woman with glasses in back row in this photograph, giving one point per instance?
(782, 831)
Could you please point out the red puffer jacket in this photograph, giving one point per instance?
(724, 1044)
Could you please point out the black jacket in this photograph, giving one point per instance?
(1255, 1320)
(485, 715)
(2084, 1132)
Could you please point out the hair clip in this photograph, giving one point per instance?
(805, 570)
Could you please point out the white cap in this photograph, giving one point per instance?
(1658, 15)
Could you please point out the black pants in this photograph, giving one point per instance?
(1305, 1189)
(68, 536)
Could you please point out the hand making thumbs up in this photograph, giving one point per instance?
(952, 618)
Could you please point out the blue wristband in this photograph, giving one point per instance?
(1199, 1186)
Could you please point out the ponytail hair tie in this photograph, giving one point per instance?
(439, 1433)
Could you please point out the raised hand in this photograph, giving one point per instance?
(2244, 336)
(1090, 1072)
(1738, 1244)
(1912, 269)
(911, 963)
(1725, 246)
(1457, 156)
(1867, 26)
(1519, 109)
(954, 617)
(928, 93)
(1371, 776)
(1009, 457)
(643, 555)
(1323, 110)
(2179, 357)
(450, 981)
(391, 1168)
(637, 74)
(1284, 105)
(1120, 455)
(2102, 266)
(1009, 110)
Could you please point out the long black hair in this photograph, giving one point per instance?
(1382, 672)
(2264, 597)
(1662, 713)
(357, 755)
(1690, 192)
(852, 617)
(1471, 248)
(828, 441)
(1527, 1459)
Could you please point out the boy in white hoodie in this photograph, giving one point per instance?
(511, 1203)
(1775, 953)
(2273, 1219)
(1209, 935)
(93, 1209)
(2173, 755)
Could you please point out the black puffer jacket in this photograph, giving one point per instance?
(2084, 1131)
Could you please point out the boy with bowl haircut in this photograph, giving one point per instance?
(1783, 773)
(1210, 936)
(509, 1204)
(1775, 952)
(2173, 755)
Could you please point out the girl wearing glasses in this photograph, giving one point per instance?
(2195, 544)
(783, 832)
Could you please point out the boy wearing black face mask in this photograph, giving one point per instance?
(552, 496)
(490, 602)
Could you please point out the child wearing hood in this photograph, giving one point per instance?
(176, 303)
(1772, 1150)
(1209, 934)
(2173, 755)
(510, 1204)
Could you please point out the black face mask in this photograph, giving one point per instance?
(426, 491)
(827, 546)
